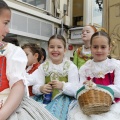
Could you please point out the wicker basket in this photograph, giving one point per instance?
(95, 101)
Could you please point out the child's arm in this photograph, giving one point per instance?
(116, 86)
(39, 80)
(70, 87)
(13, 100)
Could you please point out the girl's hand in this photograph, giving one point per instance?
(1, 104)
(57, 84)
(47, 88)
(88, 81)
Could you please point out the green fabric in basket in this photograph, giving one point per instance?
(100, 86)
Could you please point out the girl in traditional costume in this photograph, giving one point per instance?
(102, 71)
(14, 105)
(57, 76)
(82, 54)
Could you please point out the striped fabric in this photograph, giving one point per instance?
(31, 110)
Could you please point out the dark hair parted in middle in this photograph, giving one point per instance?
(60, 37)
(101, 33)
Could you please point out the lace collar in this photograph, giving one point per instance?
(99, 69)
(60, 70)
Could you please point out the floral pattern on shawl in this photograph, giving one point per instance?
(55, 74)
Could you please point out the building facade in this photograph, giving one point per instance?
(111, 21)
(37, 20)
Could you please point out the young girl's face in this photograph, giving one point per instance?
(100, 48)
(31, 58)
(56, 50)
(87, 32)
(5, 17)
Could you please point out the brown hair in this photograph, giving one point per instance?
(34, 49)
(60, 37)
(3, 6)
(101, 33)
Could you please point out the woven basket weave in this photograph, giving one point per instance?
(95, 102)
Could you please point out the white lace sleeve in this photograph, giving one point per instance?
(38, 77)
(82, 75)
(116, 86)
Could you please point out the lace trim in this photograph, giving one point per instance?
(97, 70)
(100, 74)
(53, 73)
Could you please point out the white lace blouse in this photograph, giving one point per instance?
(16, 62)
(99, 70)
(37, 79)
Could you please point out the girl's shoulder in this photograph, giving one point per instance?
(14, 53)
(11, 48)
(114, 62)
(88, 63)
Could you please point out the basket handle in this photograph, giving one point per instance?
(89, 84)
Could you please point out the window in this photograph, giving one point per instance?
(97, 14)
(43, 4)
